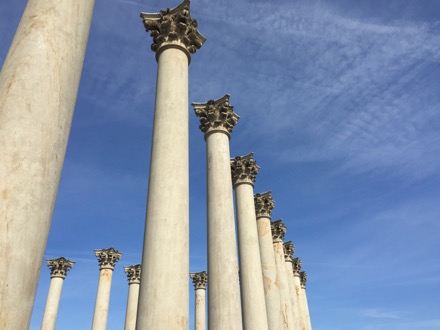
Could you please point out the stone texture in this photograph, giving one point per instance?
(134, 280)
(289, 249)
(303, 280)
(200, 280)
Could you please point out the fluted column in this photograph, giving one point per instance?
(164, 290)
(58, 271)
(264, 205)
(200, 281)
(244, 171)
(289, 249)
(38, 87)
(296, 266)
(278, 232)
(303, 279)
(217, 120)
(107, 259)
(134, 279)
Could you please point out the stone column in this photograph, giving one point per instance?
(200, 280)
(264, 205)
(289, 249)
(38, 87)
(164, 292)
(134, 279)
(107, 259)
(296, 265)
(303, 279)
(244, 171)
(58, 271)
(217, 119)
(278, 232)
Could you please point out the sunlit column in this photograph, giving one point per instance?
(58, 271)
(38, 88)
(244, 171)
(278, 232)
(134, 279)
(296, 266)
(107, 259)
(164, 290)
(200, 281)
(217, 120)
(264, 205)
(289, 249)
(303, 279)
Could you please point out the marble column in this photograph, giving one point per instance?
(289, 249)
(244, 170)
(217, 120)
(107, 259)
(264, 205)
(278, 232)
(38, 87)
(200, 281)
(134, 279)
(164, 290)
(296, 266)
(303, 279)
(58, 271)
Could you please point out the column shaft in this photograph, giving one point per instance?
(38, 88)
(252, 288)
(293, 297)
(300, 300)
(164, 297)
(200, 310)
(269, 269)
(132, 304)
(307, 323)
(52, 303)
(224, 293)
(102, 299)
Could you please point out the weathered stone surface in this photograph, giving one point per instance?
(133, 273)
(200, 280)
(107, 258)
(244, 169)
(59, 267)
(134, 279)
(264, 204)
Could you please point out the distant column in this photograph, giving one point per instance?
(107, 259)
(289, 249)
(303, 278)
(264, 205)
(244, 171)
(134, 279)
(296, 265)
(58, 271)
(217, 119)
(200, 281)
(278, 232)
(164, 292)
(38, 87)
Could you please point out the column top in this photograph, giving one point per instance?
(216, 116)
(289, 249)
(264, 204)
(59, 267)
(303, 279)
(278, 230)
(244, 169)
(133, 274)
(107, 258)
(297, 264)
(200, 280)
(173, 28)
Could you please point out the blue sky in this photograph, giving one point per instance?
(340, 102)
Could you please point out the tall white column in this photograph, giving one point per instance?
(289, 249)
(200, 281)
(164, 290)
(264, 205)
(134, 279)
(303, 279)
(278, 232)
(244, 171)
(38, 87)
(217, 120)
(107, 259)
(296, 265)
(58, 271)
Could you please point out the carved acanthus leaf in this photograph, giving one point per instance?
(133, 273)
(278, 230)
(200, 280)
(289, 249)
(107, 258)
(264, 204)
(297, 264)
(244, 169)
(59, 267)
(303, 279)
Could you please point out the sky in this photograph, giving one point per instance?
(340, 102)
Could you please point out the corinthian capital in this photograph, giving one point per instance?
(199, 280)
(264, 204)
(216, 115)
(173, 28)
(278, 230)
(244, 169)
(107, 258)
(59, 267)
(133, 274)
(303, 279)
(289, 249)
